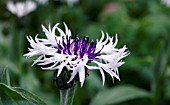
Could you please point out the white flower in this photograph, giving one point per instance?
(21, 9)
(76, 54)
(166, 2)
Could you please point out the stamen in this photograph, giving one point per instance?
(84, 46)
(68, 44)
(78, 47)
(76, 44)
(64, 44)
(100, 50)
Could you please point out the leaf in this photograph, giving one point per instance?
(4, 76)
(29, 96)
(119, 94)
(8, 95)
(1, 101)
(17, 96)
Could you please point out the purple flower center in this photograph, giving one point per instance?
(78, 47)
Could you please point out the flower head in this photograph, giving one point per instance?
(58, 52)
(21, 9)
(166, 2)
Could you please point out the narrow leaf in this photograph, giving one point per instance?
(5, 76)
(119, 94)
(1, 101)
(8, 95)
(29, 96)
(18, 96)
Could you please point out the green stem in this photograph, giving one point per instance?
(67, 95)
(159, 80)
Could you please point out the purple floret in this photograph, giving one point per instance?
(79, 47)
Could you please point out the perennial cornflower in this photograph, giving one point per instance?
(166, 2)
(21, 9)
(74, 54)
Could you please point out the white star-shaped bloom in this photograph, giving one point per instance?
(58, 51)
(166, 2)
(21, 9)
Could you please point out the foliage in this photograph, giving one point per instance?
(15, 95)
(143, 25)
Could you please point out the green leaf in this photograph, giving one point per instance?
(29, 96)
(119, 94)
(1, 101)
(4, 76)
(8, 95)
(17, 96)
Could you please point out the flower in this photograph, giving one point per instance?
(166, 2)
(110, 7)
(76, 54)
(21, 9)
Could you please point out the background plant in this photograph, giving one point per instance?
(142, 25)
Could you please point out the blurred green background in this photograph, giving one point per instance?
(143, 25)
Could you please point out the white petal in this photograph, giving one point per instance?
(72, 76)
(101, 39)
(51, 67)
(116, 41)
(66, 29)
(54, 28)
(81, 74)
(40, 57)
(103, 76)
(59, 71)
(106, 67)
(61, 32)
(92, 67)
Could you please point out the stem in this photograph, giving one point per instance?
(159, 80)
(67, 95)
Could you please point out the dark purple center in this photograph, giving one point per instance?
(79, 47)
